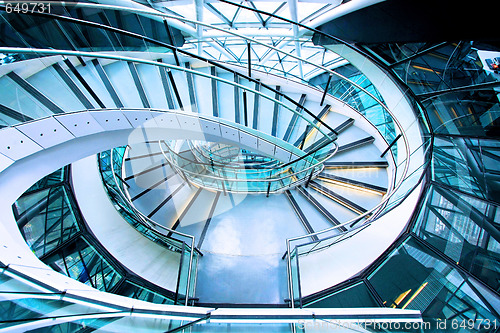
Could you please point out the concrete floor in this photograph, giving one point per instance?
(243, 249)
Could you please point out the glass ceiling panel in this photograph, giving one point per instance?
(222, 46)
(306, 9)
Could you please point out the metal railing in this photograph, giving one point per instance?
(221, 182)
(152, 229)
(394, 195)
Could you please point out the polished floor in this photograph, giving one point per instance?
(242, 250)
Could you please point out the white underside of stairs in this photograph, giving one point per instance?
(133, 250)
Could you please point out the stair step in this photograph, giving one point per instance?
(215, 94)
(138, 85)
(255, 120)
(14, 114)
(163, 164)
(191, 89)
(84, 83)
(35, 93)
(72, 86)
(186, 209)
(309, 128)
(338, 198)
(294, 119)
(373, 164)
(276, 111)
(152, 187)
(164, 77)
(107, 83)
(352, 182)
(300, 215)
(170, 196)
(345, 125)
(356, 144)
(333, 220)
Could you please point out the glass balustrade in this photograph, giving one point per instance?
(230, 175)
(51, 224)
(110, 164)
(353, 88)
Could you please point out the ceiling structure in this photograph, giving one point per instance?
(213, 41)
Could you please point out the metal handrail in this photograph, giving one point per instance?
(221, 165)
(253, 180)
(151, 222)
(406, 166)
(162, 64)
(203, 152)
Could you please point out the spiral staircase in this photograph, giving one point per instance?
(167, 177)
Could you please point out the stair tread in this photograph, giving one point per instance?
(339, 198)
(353, 182)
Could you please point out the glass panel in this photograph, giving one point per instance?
(354, 296)
(46, 219)
(470, 109)
(413, 277)
(463, 228)
(25, 309)
(182, 280)
(295, 276)
(17, 99)
(82, 262)
(110, 172)
(132, 290)
(54, 178)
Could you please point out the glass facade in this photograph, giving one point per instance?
(50, 222)
(453, 242)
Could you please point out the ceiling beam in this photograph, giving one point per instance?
(292, 5)
(216, 12)
(199, 29)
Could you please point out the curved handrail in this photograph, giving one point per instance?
(405, 139)
(216, 164)
(253, 180)
(153, 223)
(232, 164)
(159, 14)
(171, 47)
(206, 152)
(235, 161)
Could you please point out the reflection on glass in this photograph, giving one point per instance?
(354, 296)
(463, 228)
(413, 277)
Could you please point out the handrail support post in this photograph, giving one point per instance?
(309, 178)
(390, 146)
(326, 89)
(249, 55)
